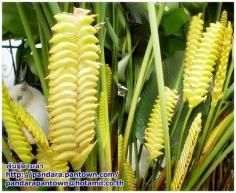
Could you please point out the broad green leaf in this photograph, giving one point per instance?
(174, 20)
(12, 23)
(172, 69)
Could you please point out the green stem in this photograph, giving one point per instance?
(229, 92)
(55, 8)
(219, 6)
(44, 49)
(198, 172)
(206, 130)
(137, 92)
(161, 89)
(49, 17)
(146, 172)
(42, 21)
(33, 48)
(182, 133)
(215, 164)
(176, 121)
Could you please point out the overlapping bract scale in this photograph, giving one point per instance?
(73, 80)
(224, 18)
(222, 66)
(129, 177)
(31, 125)
(186, 155)
(109, 82)
(200, 72)
(16, 136)
(195, 32)
(154, 132)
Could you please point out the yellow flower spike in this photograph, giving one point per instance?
(154, 132)
(129, 177)
(31, 125)
(214, 137)
(194, 35)
(186, 155)
(109, 82)
(101, 119)
(120, 150)
(222, 66)
(73, 78)
(16, 136)
(200, 72)
(224, 18)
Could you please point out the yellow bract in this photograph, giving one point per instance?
(222, 66)
(186, 155)
(16, 136)
(73, 80)
(154, 132)
(199, 74)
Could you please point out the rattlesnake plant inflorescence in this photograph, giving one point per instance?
(194, 35)
(16, 136)
(199, 74)
(215, 136)
(129, 177)
(109, 82)
(186, 155)
(222, 66)
(72, 86)
(154, 131)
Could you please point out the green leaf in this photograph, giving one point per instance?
(173, 21)
(173, 67)
(144, 108)
(12, 23)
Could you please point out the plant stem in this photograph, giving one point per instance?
(137, 92)
(48, 14)
(146, 172)
(198, 172)
(229, 92)
(161, 89)
(215, 164)
(55, 8)
(42, 21)
(33, 48)
(176, 121)
(182, 133)
(136, 159)
(218, 12)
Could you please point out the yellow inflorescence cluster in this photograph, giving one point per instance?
(224, 18)
(154, 132)
(73, 80)
(31, 125)
(16, 136)
(222, 66)
(120, 150)
(109, 82)
(129, 177)
(186, 155)
(194, 36)
(200, 72)
(102, 119)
